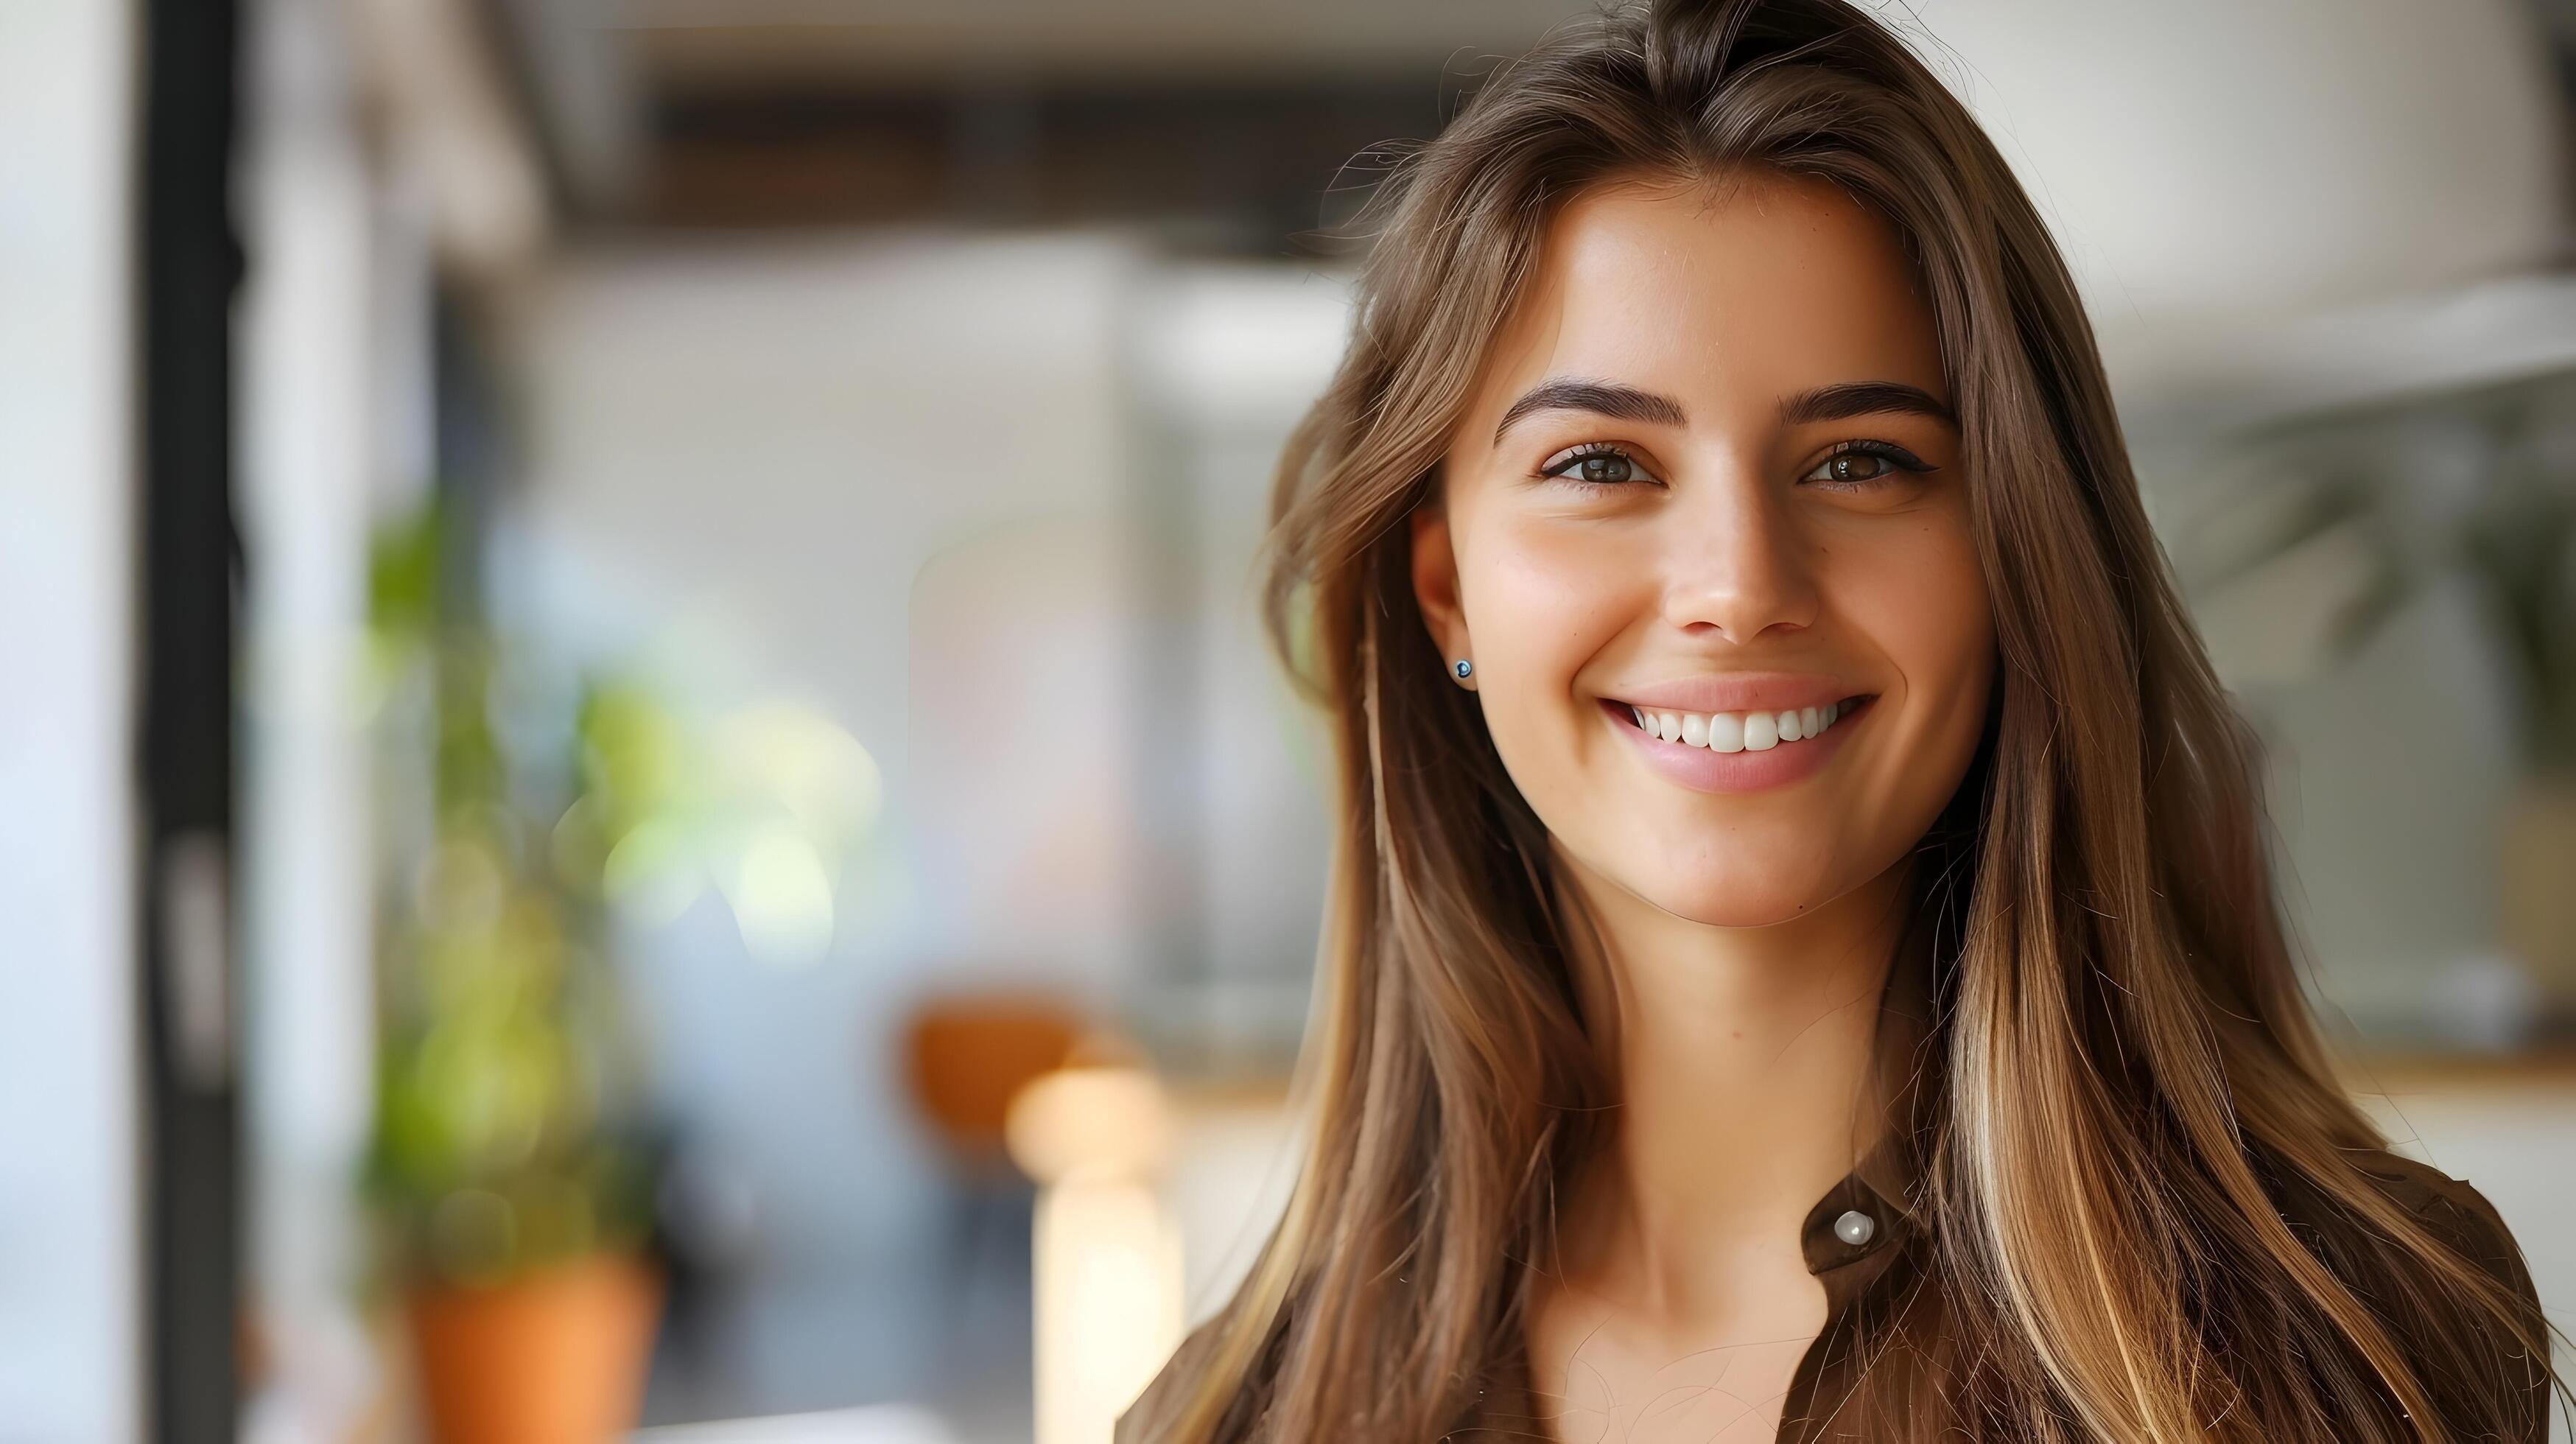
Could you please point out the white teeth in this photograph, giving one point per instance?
(1726, 732)
(1761, 731)
(1737, 731)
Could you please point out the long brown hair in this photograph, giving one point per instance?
(2130, 1094)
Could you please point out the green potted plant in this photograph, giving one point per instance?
(508, 1168)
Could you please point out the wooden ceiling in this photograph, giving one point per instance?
(1244, 128)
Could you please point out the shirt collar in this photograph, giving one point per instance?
(1884, 1189)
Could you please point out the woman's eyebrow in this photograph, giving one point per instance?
(1861, 398)
(1839, 402)
(1602, 398)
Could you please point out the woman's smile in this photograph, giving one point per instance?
(1711, 495)
(1757, 732)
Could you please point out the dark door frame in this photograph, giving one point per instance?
(188, 267)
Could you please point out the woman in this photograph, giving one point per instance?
(1801, 962)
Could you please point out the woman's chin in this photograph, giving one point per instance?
(1738, 901)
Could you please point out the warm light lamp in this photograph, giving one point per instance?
(1106, 1253)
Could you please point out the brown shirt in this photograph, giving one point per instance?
(1875, 1276)
(1867, 1243)
(1886, 1352)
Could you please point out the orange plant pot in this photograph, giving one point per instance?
(556, 1357)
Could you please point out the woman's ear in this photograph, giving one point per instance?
(1435, 584)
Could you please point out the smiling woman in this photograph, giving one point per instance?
(1750, 509)
(1801, 962)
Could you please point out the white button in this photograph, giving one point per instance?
(1855, 1227)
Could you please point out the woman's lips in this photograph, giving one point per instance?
(1737, 751)
(1710, 692)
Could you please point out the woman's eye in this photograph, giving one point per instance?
(1599, 468)
(1865, 462)
(1604, 468)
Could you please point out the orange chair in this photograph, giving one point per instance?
(966, 1056)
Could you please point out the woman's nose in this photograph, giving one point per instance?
(1737, 565)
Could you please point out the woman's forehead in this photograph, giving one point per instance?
(1764, 287)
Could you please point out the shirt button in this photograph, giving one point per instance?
(1855, 1227)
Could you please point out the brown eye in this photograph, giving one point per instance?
(1863, 463)
(1605, 469)
(1599, 464)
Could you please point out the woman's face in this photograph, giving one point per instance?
(1709, 480)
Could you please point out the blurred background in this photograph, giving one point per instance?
(640, 789)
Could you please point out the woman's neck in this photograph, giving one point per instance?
(1743, 1059)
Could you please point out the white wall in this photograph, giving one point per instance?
(69, 1229)
(2202, 158)
(332, 346)
(880, 477)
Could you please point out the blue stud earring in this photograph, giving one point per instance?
(1464, 669)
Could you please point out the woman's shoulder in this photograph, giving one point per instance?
(2454, 1211)
(2467, 1221)
(1150, 1418)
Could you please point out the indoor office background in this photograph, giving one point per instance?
(635, 745)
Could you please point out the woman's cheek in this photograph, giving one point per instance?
(1920, 598)
(1955, 619)
(1540, 604)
